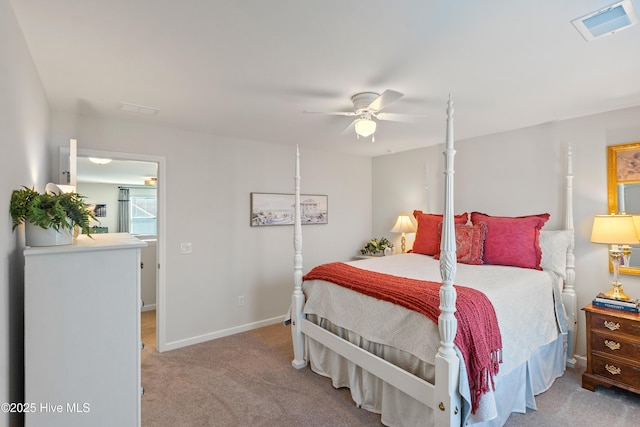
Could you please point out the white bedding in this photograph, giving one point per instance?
(522, 299)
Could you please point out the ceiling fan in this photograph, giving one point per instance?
(368, 106)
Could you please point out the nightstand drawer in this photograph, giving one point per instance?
(615, 345)
(616, 325)
(613, 349)
(616, 370)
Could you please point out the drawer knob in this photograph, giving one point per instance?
(612, 345)
(611, 325)
(614, 370)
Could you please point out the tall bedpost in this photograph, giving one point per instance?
(569, 297)
(297, 299)
(447, 363)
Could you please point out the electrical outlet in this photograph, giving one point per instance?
(185, 248)
(241, 301)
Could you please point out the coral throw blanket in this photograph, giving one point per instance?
(478, 336)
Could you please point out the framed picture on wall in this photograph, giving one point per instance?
(277, 209)
(100, 211)
(627, 160)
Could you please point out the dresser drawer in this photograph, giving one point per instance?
(616, 370)
(616, 345)
(617, 325)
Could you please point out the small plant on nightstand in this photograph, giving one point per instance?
(376, 247)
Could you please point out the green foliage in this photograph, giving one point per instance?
(374, 246)
(50, 210)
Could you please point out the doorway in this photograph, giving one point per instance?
(128, 166)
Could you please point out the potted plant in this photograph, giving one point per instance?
(49, 217)
(377, 247)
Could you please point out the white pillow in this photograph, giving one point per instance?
(554, 245)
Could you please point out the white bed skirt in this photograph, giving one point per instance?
(515, 390)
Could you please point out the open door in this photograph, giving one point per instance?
(68, 164)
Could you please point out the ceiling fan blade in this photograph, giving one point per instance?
(350, 128)
(385, 99)
(394, 117)
(332, 113)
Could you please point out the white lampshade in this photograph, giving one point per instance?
(614, 230)
(404, 224)
(365, 127)
(636, 221)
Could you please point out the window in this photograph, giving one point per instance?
(144, 209)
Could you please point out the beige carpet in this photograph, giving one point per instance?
(247, 380)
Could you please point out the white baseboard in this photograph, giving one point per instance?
(148, 307)
(577, 361)
(224, 333)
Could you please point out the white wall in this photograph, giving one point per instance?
(102, 194)
(208, 182)
(24, 126)
(517, 173)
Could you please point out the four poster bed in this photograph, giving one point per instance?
(420, 351)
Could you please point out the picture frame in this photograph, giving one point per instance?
(269, 209)
(626, 161)
(100, 210)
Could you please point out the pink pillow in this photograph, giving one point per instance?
(513, 241)
(427, 240)
(469, 243)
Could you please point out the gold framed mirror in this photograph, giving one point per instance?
(623, 190)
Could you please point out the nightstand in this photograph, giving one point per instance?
(366, 256)
(371, 256)
(613, 349)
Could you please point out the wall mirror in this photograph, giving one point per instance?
(623, 190)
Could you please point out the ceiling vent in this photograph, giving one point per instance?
(140, 109)
(608, 20)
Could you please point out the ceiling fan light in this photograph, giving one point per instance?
(151, 181)
(365, 127)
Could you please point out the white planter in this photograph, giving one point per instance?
(38, 236)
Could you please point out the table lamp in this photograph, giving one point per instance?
(403, 225)
(615, 231)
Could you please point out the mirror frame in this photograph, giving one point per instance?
(612, 192)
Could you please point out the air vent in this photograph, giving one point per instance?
(608, 20)
(140, 109)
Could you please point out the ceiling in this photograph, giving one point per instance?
(118, 171)
(248, 68)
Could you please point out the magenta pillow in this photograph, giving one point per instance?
(513, 241)
(469, 243)
(427, 240)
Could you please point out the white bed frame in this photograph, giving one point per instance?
(442, 396)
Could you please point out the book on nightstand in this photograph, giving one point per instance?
(601, 300)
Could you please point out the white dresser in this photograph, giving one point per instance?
(82, 332)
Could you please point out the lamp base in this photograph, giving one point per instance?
(616, 292)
